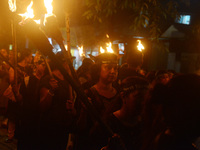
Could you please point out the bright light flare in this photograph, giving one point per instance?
(140, 46)
(12, 5)
(109, 47)
(102, 50)
(80, 49)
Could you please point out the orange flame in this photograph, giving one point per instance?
(29, 13)
(49, 8)
(102, 50)
(109, 47)
(12, 5)
(140, 46)
(81, 51)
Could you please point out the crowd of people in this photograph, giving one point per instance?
(137, 110)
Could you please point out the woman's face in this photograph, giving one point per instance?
(108, 73)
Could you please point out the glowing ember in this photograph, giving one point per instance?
(140, 46)
(81, 51)
(102, 50)
(12, 5)
(109, 48)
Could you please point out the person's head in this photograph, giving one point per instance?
(85, 69)
(41, 66)
(4, 52)
(133, 91)
(25, 55)
(181, 105)
(11, 56)
(37, 57)
(105, 68)
(162, 77)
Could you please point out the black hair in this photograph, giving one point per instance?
(132, 83)
(24, 53)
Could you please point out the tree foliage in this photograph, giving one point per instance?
(148, 15)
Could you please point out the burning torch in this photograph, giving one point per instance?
(140, 48)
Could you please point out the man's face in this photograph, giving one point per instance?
(108, 73)
(4, 53)
(41, 67)
(29, 59)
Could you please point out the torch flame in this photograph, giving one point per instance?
(81, 51)
(102, 50)
(29, 13)
(12, 5)
(109, 47)
(140, 46)
(49, 8)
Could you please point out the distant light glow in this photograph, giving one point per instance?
(184, 19)
(102, 50)
(109, 47)
(80, 49)
(107, 36)
(140, 46)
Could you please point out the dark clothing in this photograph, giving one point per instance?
(104, 107)
(28, 128)
(172, 142)
(55, 123)
(130, 134)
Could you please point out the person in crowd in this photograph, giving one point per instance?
(3, 65)
(24, 64)
(133, 65)
(103, 96)
(127, 121)
(25, 70)
(4, 82)
(180, 114)
(84, 73)
(28, 127)
(162, 77)
(56, 109)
